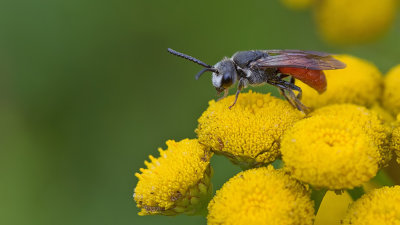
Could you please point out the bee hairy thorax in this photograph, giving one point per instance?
(253, 75)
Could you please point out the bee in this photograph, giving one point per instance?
(258, 67)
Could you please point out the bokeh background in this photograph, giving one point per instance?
(88, 91)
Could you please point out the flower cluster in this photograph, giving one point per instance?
(346, 22)
(340, 146)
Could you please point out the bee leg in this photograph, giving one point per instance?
(282, 92)
(281, 76)
(286, 90)
(297, 88)
(241, 85)
(299, 104)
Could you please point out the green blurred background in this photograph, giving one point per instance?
(88, 91)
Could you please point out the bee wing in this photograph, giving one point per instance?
(294, 52)
(299, 59)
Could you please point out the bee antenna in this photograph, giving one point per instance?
(173, 52)
(205, 70)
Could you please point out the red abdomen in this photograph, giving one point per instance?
(313, 78)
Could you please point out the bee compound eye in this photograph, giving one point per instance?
(227, 80)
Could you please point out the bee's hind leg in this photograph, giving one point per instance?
(300, 106)
(283, 93)
(286, 89)
(297, 88)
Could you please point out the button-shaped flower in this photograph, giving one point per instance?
(380, 206)
(354, 21)
(250, 132)
(261, 196)
(338, 147)
(395, 141)
(391, 94)
(176, 182)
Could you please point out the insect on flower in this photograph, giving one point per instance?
(257, 67)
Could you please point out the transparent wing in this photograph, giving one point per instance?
(298, 59)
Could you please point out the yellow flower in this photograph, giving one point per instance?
(359, 83)
(298, 4)
(338, 147)
(250, 132)
(176, 182)
(395, 142)
(354, 21)
(380, 206)
(369, 121)
(391, 94)
(261, 196)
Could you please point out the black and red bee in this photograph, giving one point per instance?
(270, 66)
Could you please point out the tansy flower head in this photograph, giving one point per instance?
(298, 4)
(358, 83)
(249, 133)
(336, 148)
(176, 182)
(369, 121)
(395, 142)
(354, 21)
(380, 206)
(261, 196)
(391, 94)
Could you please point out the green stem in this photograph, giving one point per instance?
(382, 179)
(317, 196)
(356, 193)
(277, 164)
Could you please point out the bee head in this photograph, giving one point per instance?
(225, 75)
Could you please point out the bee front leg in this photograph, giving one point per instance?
(241, 85)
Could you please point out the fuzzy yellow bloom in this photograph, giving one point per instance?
(298, 4)
(338, 147)
(261, 196)
(369, 121)
(359, 83)
(354, 21)
(251, 131)
(391, 94)
(395, 142)
(380, 206)
(176, 182)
